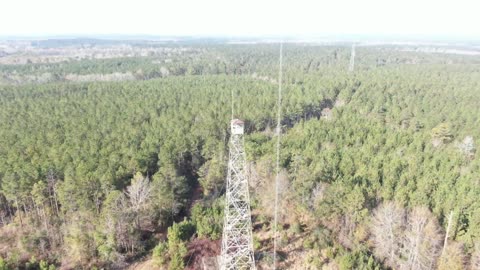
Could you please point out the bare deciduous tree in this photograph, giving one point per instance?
(387, 230)
(139, 192)
(467, 146)
(318, 193)
(422, 241)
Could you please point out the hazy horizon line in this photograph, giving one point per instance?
(340, 36)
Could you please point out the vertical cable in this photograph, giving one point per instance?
(352, 59)
(232, 104)
(279, 132)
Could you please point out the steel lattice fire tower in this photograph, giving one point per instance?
(237, 244)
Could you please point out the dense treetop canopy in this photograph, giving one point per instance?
(401, 128)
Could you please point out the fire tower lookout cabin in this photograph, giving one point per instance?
(237, 126)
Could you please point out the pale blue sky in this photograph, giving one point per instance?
(460, 18)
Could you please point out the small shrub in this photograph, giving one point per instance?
(43, 265)
(32, 263)
(177, 254)
(160, 254)
(177, 250)
(262, 218)
(296, 227)
(323, 238)
(358, 260)
(331, 253)
(283, 240)
(346, 262)
(315, 261)
(256, 243)
(3, 264)
(308, 243)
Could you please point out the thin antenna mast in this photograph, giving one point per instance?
(279, 132)
(232, 104)
(352, 59)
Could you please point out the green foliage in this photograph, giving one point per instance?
(80, 239)
(346, 262)
(177, 234)
(180, 231)
(39, 193)
(3, 264)
(208, 219)
(256, 243)
(322, 237)
(177, 249)
(177, 255)
(212, 174)
(159, 254)
(358, 260)
(308, 243)
(296, 227)
(43, 265)
(331, 252)
(32, 263)
(257, 145)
